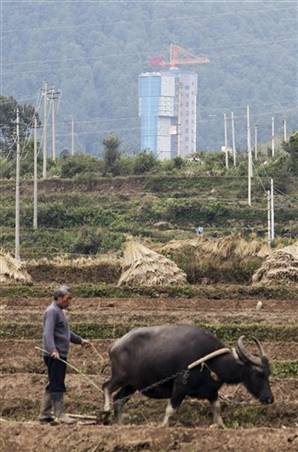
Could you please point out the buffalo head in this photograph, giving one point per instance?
(256, 372)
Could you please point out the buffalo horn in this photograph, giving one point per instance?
(244, 354)
(260, 347)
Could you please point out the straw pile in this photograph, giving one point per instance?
(74, 270)
(144, 267)
(222, 248)
(12, 270)
(76, 262)
(280, 267)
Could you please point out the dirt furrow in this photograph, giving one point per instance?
(158, 317)
(25, 437)
(30, 386)
(157, 304)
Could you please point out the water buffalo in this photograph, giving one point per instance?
(148, 355)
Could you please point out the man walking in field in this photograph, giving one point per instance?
(56, 341)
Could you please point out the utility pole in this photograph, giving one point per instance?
(53, 127)
(226, 140)
(233, 138)
(54, 96)
(256, 142)
(272, 137)
(272, 209)
(72, 136)
(285, 129)
(249, 156)
(17, 213)
(45, 130)
(35, 176)
(179, 115)
(269, 217)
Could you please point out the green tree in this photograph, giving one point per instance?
(111, 154)
(8, 108)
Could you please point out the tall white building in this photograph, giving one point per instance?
(167, 111)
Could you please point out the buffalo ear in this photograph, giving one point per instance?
(259, 370)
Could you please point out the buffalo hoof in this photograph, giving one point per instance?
(219, 425)
(104, 417)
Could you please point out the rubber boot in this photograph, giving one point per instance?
(45, 414)
(58, 404)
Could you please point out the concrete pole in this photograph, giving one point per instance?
(269, 217)
(45, 130)
(249, 156)
(17, 212)
(35, 176)
(53, 126)
(272, 137)
(226, 140)
(285, 129)
(72, 136)
(226, 130)
(256, 142)
(272, 209)
(233, 138)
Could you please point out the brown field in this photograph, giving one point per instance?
(250, 426)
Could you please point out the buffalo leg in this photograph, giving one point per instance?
(169, 412)
(217, 419)
(120, 399)
(174, 402)
(108, 388)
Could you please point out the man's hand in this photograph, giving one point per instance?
(55, 355)
(85, 343)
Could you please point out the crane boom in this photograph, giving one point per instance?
(179, 56)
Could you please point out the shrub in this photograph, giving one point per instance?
(92, 241)
(178, 162)
(144, 163)
(78, 164)
(88, 241)
(111, 154)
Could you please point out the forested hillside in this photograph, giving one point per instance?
(94, 51)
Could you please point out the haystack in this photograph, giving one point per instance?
(144, 267)
(222, 248)
(12, 269)
(280, 267)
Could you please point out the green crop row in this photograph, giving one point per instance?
(220, 292)
(226, 332)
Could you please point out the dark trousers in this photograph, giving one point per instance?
(56, 374)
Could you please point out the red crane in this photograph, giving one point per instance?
(178, 56)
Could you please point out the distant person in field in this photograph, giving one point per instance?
(56, 341)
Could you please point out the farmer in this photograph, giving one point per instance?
(56, 340)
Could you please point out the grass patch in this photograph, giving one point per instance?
(215, 292)
(228, 332)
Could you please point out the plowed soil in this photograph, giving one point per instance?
(250, 426)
